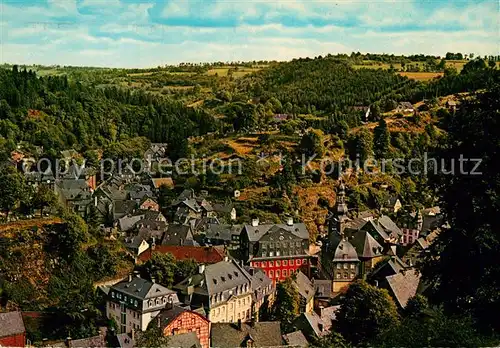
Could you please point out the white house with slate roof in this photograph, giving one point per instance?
(224, 289)
(134, 302)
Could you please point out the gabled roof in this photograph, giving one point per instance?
(263, 334)
(255, 233)
(296, 339)
(403, 285)
(304, 286)
(94, 342)
(167, 315)
(365, 245)
(185, 340)
(323, 288)
(186, 194)
(389, 225)
(141, 288)
(177, 234)
(124, 207)
(11, 323)
(378, 228)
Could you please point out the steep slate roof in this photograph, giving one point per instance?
(11, 323)
(344, 251)
(256, 232)
(198, 253)
(389, 225)
(223, 232)
(177, 234)
(186, 194)
(304, 286)
(141, 288)
(124, 207)
(403, 285)
(94, 342)
(185, 340)
(263, 334)
(329, 314)
(259, 282)
(128, 222)
(365, 245)
(296, 339)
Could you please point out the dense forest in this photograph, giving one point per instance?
(59, 114)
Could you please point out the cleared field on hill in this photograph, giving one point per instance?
(421, 76)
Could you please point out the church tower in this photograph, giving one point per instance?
(339, 216)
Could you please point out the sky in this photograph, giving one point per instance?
(148, 33)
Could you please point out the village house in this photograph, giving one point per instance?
(306, 292)
(134, 302)
(76, 195)
(402, 286)
(149, 204)
(12, 330)
(223, 234)
(223, 289)
(279, 249)
(392, 204)
(175, 320)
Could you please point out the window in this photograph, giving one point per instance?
(298, 262)
(338, 266)
(277, 274)
(304, 261)
(193, 321)
(113, 295)
(264, 263)
(218, 311)
(346, 275)
(353, 275)
(285, 273)
(278, 263)
(278, 253)
(264, 254)
(271, 253)
(231, 308)
(345, 265)
(338, 275)
(271, 274)
(353, 266)
(256, 264)
(292, 262)
(285, 262)
(271, 263)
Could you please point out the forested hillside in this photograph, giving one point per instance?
(59, 114)
(325, 84)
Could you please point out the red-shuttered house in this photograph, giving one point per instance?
(12, 330)
(278, 249)
(175, 320)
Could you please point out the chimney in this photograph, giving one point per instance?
(289, 221)
(201, 269)
(255, 222)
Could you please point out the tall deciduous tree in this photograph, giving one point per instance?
(366, 312)
(161, 267)
(286, 306)
(12, 189)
